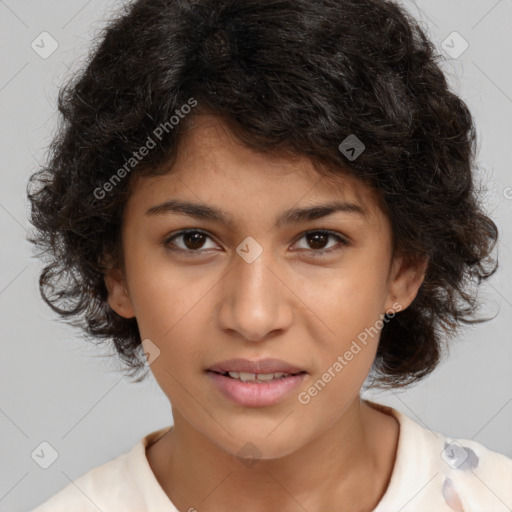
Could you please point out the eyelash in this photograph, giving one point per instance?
(317, 252)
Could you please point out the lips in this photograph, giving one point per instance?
(262, 366)
(254, 393)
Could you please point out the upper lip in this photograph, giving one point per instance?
(261, 366)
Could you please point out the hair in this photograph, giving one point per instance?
(288, 76)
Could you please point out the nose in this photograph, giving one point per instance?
(256, 301)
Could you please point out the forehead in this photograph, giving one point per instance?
(212, 166)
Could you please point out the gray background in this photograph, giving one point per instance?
(58, 389)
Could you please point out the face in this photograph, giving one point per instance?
(257, 282)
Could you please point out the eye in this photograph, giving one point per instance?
(318, 240)
(193, 241)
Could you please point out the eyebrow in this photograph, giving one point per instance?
(291, 216)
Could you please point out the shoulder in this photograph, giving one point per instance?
(475, 476)
(124, 483)
(449, 473)
(88, 492)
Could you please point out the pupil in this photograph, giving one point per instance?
(196, 238)
(316, 237)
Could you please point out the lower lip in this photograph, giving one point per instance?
(256, 394)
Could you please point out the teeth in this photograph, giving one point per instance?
(254, 377)
(243, 376)
(267, 376)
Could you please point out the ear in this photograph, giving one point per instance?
(406, 277)
(118, 297)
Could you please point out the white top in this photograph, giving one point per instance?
(432, 473)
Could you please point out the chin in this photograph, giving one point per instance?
(257, 443)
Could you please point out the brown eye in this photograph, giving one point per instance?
(192, 241)
(317, 241)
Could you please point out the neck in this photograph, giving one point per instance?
(346, 467)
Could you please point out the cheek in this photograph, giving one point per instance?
(345, 354)
(162, 295)
(171, 307)
(345, 301)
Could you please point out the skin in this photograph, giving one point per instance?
(336, 452)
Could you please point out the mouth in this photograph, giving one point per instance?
(256, 377)
(263, 369)
(250, 389)
(256, 383)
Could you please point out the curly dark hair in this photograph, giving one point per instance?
(290, 76)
